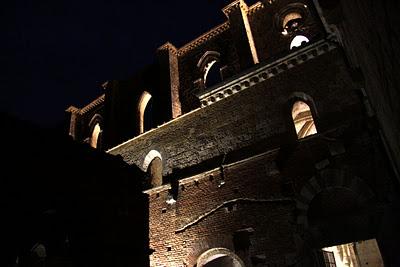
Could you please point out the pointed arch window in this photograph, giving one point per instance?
(94, 139)
(303, 119)
(95, 131)
(144, 115)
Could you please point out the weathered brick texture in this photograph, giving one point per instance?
(256, 114)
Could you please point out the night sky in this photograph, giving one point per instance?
(57, 53)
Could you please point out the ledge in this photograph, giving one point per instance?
(264, 72)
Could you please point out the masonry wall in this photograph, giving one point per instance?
(221, 42)
(254, 115)
(257, 195)
(267, 32)
(253, 201)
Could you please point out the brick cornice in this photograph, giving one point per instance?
(235, 5)
(256, 7)
(98, 101)
(169, 47)
(203, 38)
(72, 109)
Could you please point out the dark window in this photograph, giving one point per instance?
(212, 73)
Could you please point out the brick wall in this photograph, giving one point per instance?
(252, 191)
(268, 37)
(189, 72)
(255, 114)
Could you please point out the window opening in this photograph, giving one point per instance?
(144, 112)
(95, 135)
(155, 172)
(303, 120)
(354, 254)
(212, 73)
(298, 41)
(292, 21)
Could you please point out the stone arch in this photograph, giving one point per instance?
(209, 66)
(96, 131)
(150, 157)
(141, 108)
(225, 258)
(296, 12)
(329, 179)
(289, 17)
(154, 166)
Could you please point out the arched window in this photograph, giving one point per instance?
(292, 21)
(144, 115)
(155, 172)
(303, 120)
(212, 74)
(94, 139)
(95, 131)
(153, 165)
(298, 41)
(210, 67)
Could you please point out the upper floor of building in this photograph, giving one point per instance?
(179, 78)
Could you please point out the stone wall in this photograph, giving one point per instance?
(259, 113)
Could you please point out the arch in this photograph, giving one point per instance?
(149, 158)
(209, 65)
(95, 131)
(298, 40)
(94, 139)
(330, 179)
(207, 56)
(141, 108)
(153, 165)
(303, 119)
(292, 20)
(219, 257)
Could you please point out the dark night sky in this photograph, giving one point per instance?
(57, 53)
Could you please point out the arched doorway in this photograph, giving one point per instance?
(336, 208)
(220, 257)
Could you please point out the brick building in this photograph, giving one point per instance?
(259, 140)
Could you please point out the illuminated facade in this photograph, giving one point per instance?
(257, 140)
